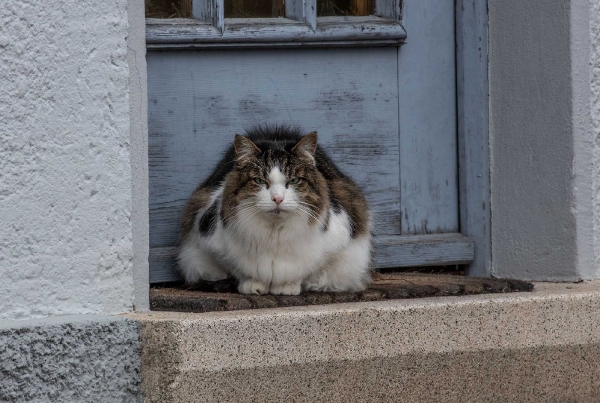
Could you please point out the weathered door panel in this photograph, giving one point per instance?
(428, 148)
(199, 100)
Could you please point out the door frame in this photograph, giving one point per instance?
(472, 93)
(471, 245)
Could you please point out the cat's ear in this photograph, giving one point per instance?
(244, 147)
(307, 145)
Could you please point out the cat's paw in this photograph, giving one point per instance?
(286, 289)
(252, 287)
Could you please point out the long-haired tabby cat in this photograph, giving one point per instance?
(280, 217)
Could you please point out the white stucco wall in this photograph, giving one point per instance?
(65, 173)
(595, 125)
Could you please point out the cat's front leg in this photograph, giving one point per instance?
(286, 289)
(285, 279)
(252, 287)
(348, 270)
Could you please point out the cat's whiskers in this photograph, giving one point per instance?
(242, 217)
(311, 214)
(239, 226)
(241, 208)
(309, 206)
(246, 210)
(236, 209)
(312, 206)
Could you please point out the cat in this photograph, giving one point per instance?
(278, 216)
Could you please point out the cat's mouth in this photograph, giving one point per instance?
(278, 212)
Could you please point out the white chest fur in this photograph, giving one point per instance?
(277, 250)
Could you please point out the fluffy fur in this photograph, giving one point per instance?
(280, 217)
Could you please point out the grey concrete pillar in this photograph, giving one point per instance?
(541, 144)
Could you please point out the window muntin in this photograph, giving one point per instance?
(302, 26)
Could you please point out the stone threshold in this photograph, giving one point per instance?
(222, 295)
(536, 346)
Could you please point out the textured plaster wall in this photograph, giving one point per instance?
(65, 173)
(88, 358)
(594, 16)
(138, 110)
(584, 175)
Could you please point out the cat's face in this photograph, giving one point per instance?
(275, 182)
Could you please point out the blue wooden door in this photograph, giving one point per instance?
(386, 115)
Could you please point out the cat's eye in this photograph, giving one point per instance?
(293, 181)
(260, 181)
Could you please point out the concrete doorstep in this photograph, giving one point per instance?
(542, 346)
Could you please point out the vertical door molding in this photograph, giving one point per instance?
(389, 9)
(210, 11)
(303, 11)
(429, 199)
(473, 130)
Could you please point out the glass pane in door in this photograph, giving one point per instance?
(168, 8)
(254, 8)
(327, 8)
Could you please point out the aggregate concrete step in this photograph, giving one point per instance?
(539, 346)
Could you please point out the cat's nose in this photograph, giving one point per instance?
(277, 199)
